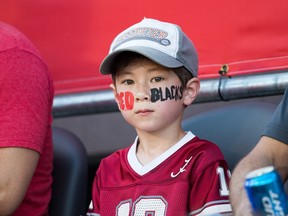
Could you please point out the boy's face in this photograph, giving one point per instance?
(149, 96)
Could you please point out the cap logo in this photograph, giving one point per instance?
(143, 33)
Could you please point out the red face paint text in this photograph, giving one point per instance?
(126, 100)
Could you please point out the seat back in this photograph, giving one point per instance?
(235, 128)
(70, 171)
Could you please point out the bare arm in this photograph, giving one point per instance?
(267, 152)
(17, 168)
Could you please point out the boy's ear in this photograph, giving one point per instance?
(113, 87)
(191, 91)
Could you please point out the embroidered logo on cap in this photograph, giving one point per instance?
(143, 33)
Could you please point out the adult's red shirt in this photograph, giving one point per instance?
(26, 97)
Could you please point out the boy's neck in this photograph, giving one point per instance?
(150, 147)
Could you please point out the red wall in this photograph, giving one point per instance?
(74, 35)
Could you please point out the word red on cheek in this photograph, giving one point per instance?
(126, 100)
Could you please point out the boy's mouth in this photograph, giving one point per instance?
(144, 111)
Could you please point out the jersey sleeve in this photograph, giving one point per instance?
(278, 126)
(209, 194)
(94, 207)
(26, 100)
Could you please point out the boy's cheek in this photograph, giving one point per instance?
(166, 93)
(126, 100)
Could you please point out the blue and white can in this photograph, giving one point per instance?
(266, 192)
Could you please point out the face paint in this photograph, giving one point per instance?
(174, 93)
(126, 100)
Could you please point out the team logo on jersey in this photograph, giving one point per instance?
(182, 169)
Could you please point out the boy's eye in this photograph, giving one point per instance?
(128, 82)
(157, 79)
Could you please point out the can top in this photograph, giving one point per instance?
(259, 172)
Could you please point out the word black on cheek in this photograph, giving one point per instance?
(126, 100)
(172, 93)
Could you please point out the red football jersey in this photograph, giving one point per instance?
(190, 178)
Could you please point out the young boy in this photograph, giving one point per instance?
(166, 171)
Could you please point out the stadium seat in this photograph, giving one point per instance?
(234, 128)
(69, 189)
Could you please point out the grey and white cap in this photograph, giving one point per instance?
(162, 42)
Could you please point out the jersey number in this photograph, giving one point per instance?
(157, 206)
(144, 206)
(223, 183)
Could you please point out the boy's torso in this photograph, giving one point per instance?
(167, 187)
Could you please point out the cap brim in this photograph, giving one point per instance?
(157, 56)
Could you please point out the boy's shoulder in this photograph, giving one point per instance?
(204, 148)
(115, 157)
(204, 143)
(203, 154)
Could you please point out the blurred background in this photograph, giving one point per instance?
(250, 37)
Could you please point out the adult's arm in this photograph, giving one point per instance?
(267, 152)
(17, 168)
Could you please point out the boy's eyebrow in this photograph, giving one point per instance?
(157, 68)
(123, 72)
(150, 69)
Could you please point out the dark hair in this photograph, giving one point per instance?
(125, 58)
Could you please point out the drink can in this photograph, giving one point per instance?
(266, 192)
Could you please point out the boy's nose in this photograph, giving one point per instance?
(142, 96)
(143, 93)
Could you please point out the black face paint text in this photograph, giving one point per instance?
(172, 93)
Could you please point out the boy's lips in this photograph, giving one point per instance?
(144, 111)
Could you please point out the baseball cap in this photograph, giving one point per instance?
(162, 42)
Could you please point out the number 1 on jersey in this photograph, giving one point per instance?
(223, 183)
